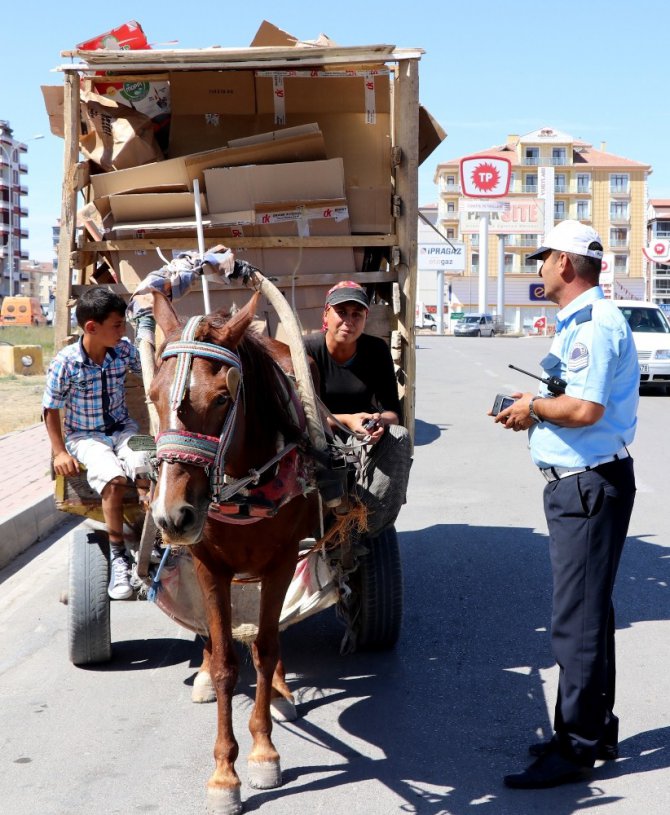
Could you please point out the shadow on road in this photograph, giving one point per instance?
(453, 708)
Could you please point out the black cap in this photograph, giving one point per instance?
(348, 294)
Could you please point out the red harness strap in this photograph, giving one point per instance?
(265, 501)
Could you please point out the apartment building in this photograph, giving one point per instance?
(554, 177)
(658, 229)
(13, 213)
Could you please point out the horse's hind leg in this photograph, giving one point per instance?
(282, 704)
(264, 770)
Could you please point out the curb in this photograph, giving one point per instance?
(21, 530)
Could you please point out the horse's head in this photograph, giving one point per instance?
(195, 390)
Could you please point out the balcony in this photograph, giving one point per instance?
(449, 215)
(619, 218)
(560, 216)
(521, 241)
(532, 188)
(561, 189)
(620, 191)
(531, 161)
(583, 189)
(619, 243)
(449, 188)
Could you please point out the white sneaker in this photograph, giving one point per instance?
(119, 579)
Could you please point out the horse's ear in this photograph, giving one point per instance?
(164, 314)
(233, 331)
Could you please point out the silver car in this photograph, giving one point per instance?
(475, 325)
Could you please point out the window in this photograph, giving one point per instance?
(621, 264)
(530, 182)
(509, 263)
(584, 182)
(662, 229)
(450, 234)
(559, 156)
(583, 210)
(559, 210)
(618, 211)
(619, 183)
(529, 266)
(559, 183)
(451, 206)
(531, 155)
(618, 238)
(475, 261)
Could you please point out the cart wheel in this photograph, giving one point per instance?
(89, 632)
(378, 583)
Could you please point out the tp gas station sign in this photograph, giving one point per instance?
(485, 176)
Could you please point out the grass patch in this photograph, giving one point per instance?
(42, 335)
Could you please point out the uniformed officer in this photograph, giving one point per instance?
(579, 439)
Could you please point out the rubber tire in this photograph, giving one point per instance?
(89, 631)
(378, 583)
(478, 334)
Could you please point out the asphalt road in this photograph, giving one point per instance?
(429, 728)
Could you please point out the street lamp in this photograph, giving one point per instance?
(9, 252)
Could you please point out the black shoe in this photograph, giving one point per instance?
(605, 752)
(550, 770)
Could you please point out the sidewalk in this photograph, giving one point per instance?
(27, 508)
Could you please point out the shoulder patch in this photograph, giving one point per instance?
(579, 357)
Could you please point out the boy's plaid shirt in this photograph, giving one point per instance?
(74, 383)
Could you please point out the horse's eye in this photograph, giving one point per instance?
(221, 399)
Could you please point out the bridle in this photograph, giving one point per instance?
(208, 452)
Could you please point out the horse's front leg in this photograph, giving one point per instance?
(223, 788)
(203, 687)
(264, 767)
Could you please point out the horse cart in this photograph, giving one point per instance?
(302, 159)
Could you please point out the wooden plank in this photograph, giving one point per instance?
(364, 278)
(212, 239)
(406, 136)
(71, 118)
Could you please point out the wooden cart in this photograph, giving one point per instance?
(353, 106)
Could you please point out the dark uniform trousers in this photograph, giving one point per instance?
(588, 516)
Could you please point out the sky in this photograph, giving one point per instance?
(592, 68)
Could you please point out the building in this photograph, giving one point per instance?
(553, 177)
(658, 229)
(12, 191)
(38, 280)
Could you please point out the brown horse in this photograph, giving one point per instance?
(225, 410)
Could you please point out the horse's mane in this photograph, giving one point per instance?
(265, 404)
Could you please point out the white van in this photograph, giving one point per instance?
(651, 332)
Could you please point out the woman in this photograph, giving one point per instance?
(358, 386)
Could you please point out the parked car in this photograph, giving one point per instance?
(21, 311)
(651, 332)
(476, 325)
(427, 321)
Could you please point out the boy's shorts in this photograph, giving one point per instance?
(108, 457)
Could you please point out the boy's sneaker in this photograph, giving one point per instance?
(119, 579)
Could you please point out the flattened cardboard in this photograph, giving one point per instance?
(324, 94)
(54, 102)
(182, 171)
(234, 188)
(158, 206)
(431, 134)
(370, 210)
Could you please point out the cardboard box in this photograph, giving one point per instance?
(209, 108)
(179, 173)
(54, 102)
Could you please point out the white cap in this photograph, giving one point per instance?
(571, 236)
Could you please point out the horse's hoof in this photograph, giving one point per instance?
(264, 775)
(203, 689)
(282, 710)
(224, 801)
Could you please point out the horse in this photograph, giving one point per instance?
(226, 408)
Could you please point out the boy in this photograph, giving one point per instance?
(87, 380)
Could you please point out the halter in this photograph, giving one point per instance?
(196, 448)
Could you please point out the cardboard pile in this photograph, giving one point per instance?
(276, 154)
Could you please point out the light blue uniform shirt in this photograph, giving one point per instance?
(594, 351)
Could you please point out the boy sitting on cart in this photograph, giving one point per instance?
(87, 381)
